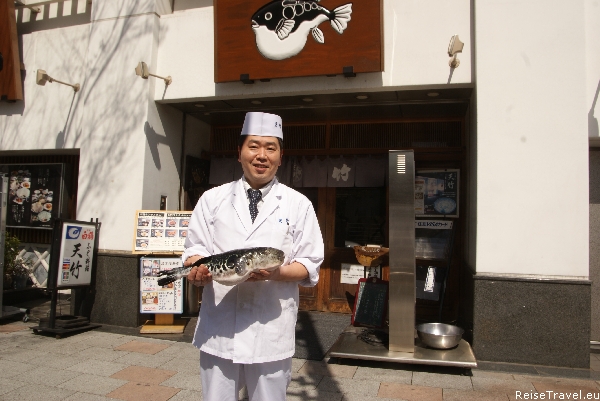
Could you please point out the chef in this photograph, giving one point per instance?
(246, 332)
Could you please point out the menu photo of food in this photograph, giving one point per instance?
(33, 196)
(19, 194)
(161, 230)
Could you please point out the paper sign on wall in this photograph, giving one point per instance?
(155, 298)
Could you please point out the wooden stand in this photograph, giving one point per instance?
(163, 323)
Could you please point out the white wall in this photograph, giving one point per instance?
(416, 38)
(50, 115)
(532, 157)
(129, 147)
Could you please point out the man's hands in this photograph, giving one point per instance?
(292, 272)
(199, 275)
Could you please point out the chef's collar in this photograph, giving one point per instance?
(264, 190)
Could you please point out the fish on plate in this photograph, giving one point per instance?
(282, 26)
(230, 268)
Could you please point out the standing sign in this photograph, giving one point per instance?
(155, 298)
(77, 250)
(262, 39)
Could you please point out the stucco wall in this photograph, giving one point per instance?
(532, 145)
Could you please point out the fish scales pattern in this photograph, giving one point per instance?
(231, 267)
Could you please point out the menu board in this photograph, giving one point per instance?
(436, 192)
(370, 303)
(160, 231)
(159, 299)
(34, 194)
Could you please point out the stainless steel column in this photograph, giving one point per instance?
(402, 250)
(3, 207)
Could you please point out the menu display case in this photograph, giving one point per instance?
(35, 193)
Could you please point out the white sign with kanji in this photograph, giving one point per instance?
(76, 254)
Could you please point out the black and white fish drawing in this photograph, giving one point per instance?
(230, 268)
(281, 26)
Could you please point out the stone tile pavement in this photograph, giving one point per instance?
(98, 365)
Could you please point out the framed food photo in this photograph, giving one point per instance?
(34, 194)
(437, 193)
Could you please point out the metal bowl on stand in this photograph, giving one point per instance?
(439, 335)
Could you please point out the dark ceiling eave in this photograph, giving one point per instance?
(412, 104)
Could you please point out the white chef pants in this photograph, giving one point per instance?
(222, 379)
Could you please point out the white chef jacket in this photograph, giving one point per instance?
(253, 322)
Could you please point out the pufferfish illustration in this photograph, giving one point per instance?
(281, 26)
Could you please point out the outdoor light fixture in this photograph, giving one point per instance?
(362, 97)
(454, 48)
(42, 78)
(142, 71)
(255, 102)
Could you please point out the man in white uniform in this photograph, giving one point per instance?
(246, 332)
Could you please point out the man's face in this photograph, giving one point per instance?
(260, 157)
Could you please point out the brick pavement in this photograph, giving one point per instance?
(97, 365)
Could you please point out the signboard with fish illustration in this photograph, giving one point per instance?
(73, 264)
(155, 298)
(160, 231)
(261, 39)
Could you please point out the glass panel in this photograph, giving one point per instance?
(360, 216)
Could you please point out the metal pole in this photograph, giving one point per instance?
(402, 250)
(3, 206)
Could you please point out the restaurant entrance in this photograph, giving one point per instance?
(357, 213)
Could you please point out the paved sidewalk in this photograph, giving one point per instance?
(99, 365)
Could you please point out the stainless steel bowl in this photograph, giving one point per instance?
(439, 335)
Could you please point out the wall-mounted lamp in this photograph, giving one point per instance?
(31, 8)
(42, 78)
(142, 71)
(454, 48)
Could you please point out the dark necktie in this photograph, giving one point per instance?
(254, 195)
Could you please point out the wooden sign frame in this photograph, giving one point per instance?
(358, 49)
(10, 74)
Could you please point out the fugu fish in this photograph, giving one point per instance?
(230, 268)
(282, 26)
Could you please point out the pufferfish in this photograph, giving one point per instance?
(282, 26)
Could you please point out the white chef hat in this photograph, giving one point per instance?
(262, 124)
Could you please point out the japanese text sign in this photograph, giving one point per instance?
(77, 248)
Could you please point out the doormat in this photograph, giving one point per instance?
(316, 332)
